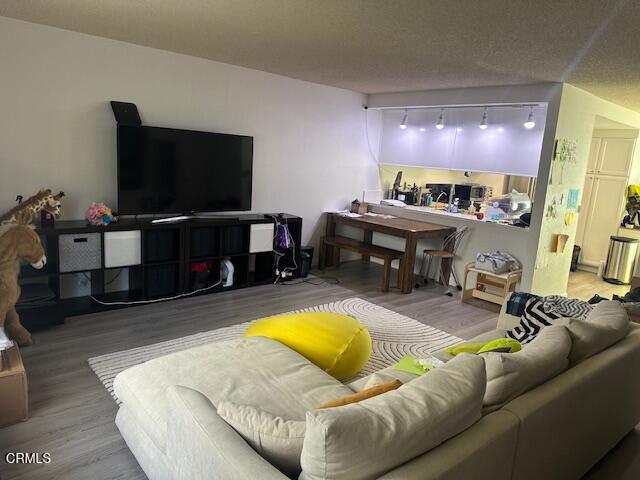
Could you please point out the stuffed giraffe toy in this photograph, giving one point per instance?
(18, 241)
(43, 200)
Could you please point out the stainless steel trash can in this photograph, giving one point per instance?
(621, 260)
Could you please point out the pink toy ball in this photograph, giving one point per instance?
(100, 214)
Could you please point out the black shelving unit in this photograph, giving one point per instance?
(168, 252)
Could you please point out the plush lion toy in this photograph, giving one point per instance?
(18, 241)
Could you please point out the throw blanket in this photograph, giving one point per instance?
(540, 312)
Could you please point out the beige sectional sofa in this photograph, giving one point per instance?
(443, 425)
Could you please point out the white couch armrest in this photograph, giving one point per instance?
(201, 445)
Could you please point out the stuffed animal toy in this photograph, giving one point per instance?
(18, 241)
(100, 214)
(43, 200)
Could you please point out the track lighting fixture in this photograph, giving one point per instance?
(440, 122)
(484, 123)
(530, 123)
(403, 124)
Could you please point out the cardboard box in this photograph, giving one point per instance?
(14, 397)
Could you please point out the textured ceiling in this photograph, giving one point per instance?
(376, 46)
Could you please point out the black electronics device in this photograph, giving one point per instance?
(440, 192)
(170, 171)
(126, 113)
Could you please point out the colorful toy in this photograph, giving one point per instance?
(100, 214)
(632, 206)
(43, 200)
(18, 241)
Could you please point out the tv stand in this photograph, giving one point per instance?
(143, 259)
(196, 216)
(179, 218)
(214, 216)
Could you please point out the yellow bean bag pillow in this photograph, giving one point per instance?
(337, 343)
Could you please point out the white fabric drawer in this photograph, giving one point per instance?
(261, 239)
(122, 249)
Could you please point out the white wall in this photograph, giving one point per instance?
(576, 119)
(57, 130)
(505, 146)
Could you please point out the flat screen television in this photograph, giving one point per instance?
(169, 171)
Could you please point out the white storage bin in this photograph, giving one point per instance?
(80, 251)
(122, 249)
(261, 238)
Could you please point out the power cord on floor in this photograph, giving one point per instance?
(324, 281)
(157, 300)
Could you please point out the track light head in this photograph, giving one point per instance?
(403, 124)
(530, 123)
(440, 122)
(485, 120)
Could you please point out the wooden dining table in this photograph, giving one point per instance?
(410, 230)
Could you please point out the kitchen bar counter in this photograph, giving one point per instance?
(429, 214)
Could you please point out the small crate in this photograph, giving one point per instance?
(14, 400)
(80, 252)
(491, 287)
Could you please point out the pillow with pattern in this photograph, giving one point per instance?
(540, 312)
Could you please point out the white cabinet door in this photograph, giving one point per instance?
(603, 218)
(585, 209)
(594, 154)
(615, 156)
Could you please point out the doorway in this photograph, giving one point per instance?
(612, 166)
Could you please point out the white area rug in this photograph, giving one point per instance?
(393, 336)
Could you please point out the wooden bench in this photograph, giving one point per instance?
(330, 248)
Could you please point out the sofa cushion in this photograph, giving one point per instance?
(370, 392)
(277, 440)
(511, 374)
(482, 338)
(386, 375)
(253, 371)
(533, 320)
(605, 325)
(366, 439)
(512, 309)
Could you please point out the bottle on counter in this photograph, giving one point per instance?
(455, 207)
(429, 201)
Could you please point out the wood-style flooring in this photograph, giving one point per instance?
(72, 415)
(584, 285)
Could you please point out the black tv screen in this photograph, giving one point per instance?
(164, 170)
